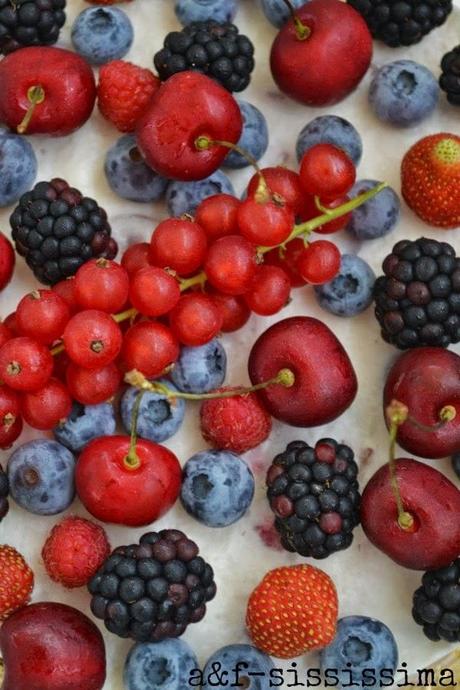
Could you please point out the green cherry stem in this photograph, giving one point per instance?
(284, 377)
(302, 31)
(35, 96)
(132, 461)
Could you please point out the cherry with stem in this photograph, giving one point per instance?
(132, 461)
(302, 31)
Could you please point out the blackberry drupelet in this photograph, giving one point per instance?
(436, 604)
(417, 301)
(449, 80)
(215, 49)
(4, 491)
(314, 494)
(30, 23)
(56, 229)
(402, 22)
(153, 590)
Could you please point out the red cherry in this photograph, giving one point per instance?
(326, 171)
(178, 244)
(168, 131)
(285, 183)
(7, 261)
(112, 491)
(45, 408)
(234, 310)
(67, 103)
(92, 386)
(135, 257)
(66, 289)
(196, 319)
(153, 291)
(102, 284)
(10, 416)
(217, 215)
(150, 347)
(267, 223)
(319, 262)
(269, 291)
(287, 259)
(42, 315)
(25, 364)
(231, 264)
(92, 339)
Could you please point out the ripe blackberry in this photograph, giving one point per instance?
(4, 491)
(56, 229)
(213, 48)
(436, 604)
(449, 80)
(30, 23)
(315, 496)
(402, 22)
(154, 589)
(417, 301)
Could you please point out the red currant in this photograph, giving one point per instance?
(319, 262)
(230, 264)
(10, 416)
(333, 225)
(150, 347)
(135, 257)
(5, 333)
(92, 386)
(25, 364)
(326, 171)
(286, 259)
(42, 315)
(234, 310)
(268, 223)
(92, 339)
(10, 322)
(153, 291)
(217, 215)
(178, 244)
(102, 284)
(66, 289)
(195, 319)
(45, 408)
(283, 182)
(269, 291)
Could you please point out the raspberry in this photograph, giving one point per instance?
(17, 581)
(124, 91)
(238, 423)
(74, 550)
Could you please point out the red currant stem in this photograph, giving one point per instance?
(8, 420)
(35, 96)
(302, 31)
(186, 283)
(320, 206)
(57, 349)
(132, 461)
(284, 377)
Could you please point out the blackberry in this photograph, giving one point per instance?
(30, 23)
(417, 301)
(56, 229)
(314, 494)
(436, 604)
(402, 22)
(153, 590)
(213, 48)
(4, 491)
(449, 80)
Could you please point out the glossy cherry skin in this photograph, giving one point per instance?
(326, 66)
(186, 106)
(434, 503)
(325, 381)
(426, 379)
(113, 492)
(7, 261)
(52, 646)
(65, 77)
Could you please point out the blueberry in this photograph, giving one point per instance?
(376, 217)
(233, 661)
(200, 369)
(41, 476)
(188, 11)
(456, 464)
(330, 129)
(128, 175)
(101, 34)
(85, 423)
(350, 292)
(217, 487)
(364, 643)
(254, 138)
(166, 665)
(18, 167)
(159, 418)
(277, 11)
(184, 197)
(403, 93)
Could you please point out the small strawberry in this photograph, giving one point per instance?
(16, 581)
(430, 179)
(238, 423)
(74, 550)
(124, 91)
(292, 611)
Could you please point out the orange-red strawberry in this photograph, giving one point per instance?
(16, 581)
(293, 610)
(430, 179)
(124, 92)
